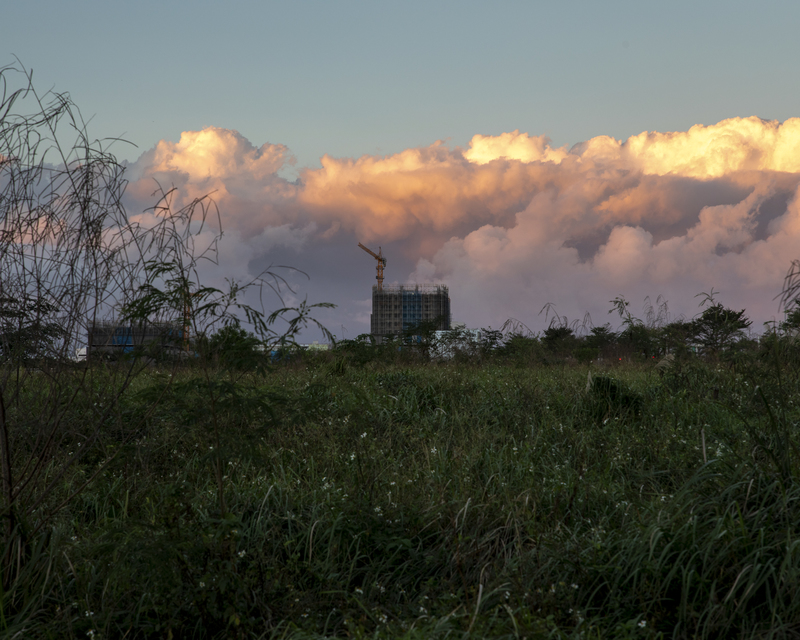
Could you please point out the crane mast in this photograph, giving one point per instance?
(381, 263)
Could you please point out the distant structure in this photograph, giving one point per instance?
(397, 309)
(113, 339)
(400, 308)
(381, 263)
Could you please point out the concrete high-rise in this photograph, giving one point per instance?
(398, 308)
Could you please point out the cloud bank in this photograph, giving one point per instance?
(509, 223)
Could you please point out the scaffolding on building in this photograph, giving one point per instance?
(398, 309)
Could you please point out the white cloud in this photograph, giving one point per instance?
(511, 223)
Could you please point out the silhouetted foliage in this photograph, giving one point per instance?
(28, 329)
(559, 339)
(718, 328)
(601, 337)
(674, 338)
(420, 337)
(792, 320)
(610, 398)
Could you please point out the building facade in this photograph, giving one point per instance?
(400, 308)
(112, 339)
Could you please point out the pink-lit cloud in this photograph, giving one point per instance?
(509, 222)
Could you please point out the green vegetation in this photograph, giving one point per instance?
(418, 499)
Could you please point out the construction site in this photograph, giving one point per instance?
(398, 309)
(113, 339)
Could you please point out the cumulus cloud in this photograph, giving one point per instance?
(224, 164)
(513, 146)
(217, 154)
(509, 222)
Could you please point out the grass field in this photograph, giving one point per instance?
(415, 500)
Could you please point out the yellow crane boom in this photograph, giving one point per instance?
(381, 263)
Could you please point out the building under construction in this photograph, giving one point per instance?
(112, 339)
(398, 309)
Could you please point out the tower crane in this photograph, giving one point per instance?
(381, 264)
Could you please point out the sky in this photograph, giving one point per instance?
(523, 153)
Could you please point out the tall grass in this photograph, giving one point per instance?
(433, 501)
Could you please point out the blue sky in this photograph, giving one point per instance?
(353, 78)
(209, 93)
